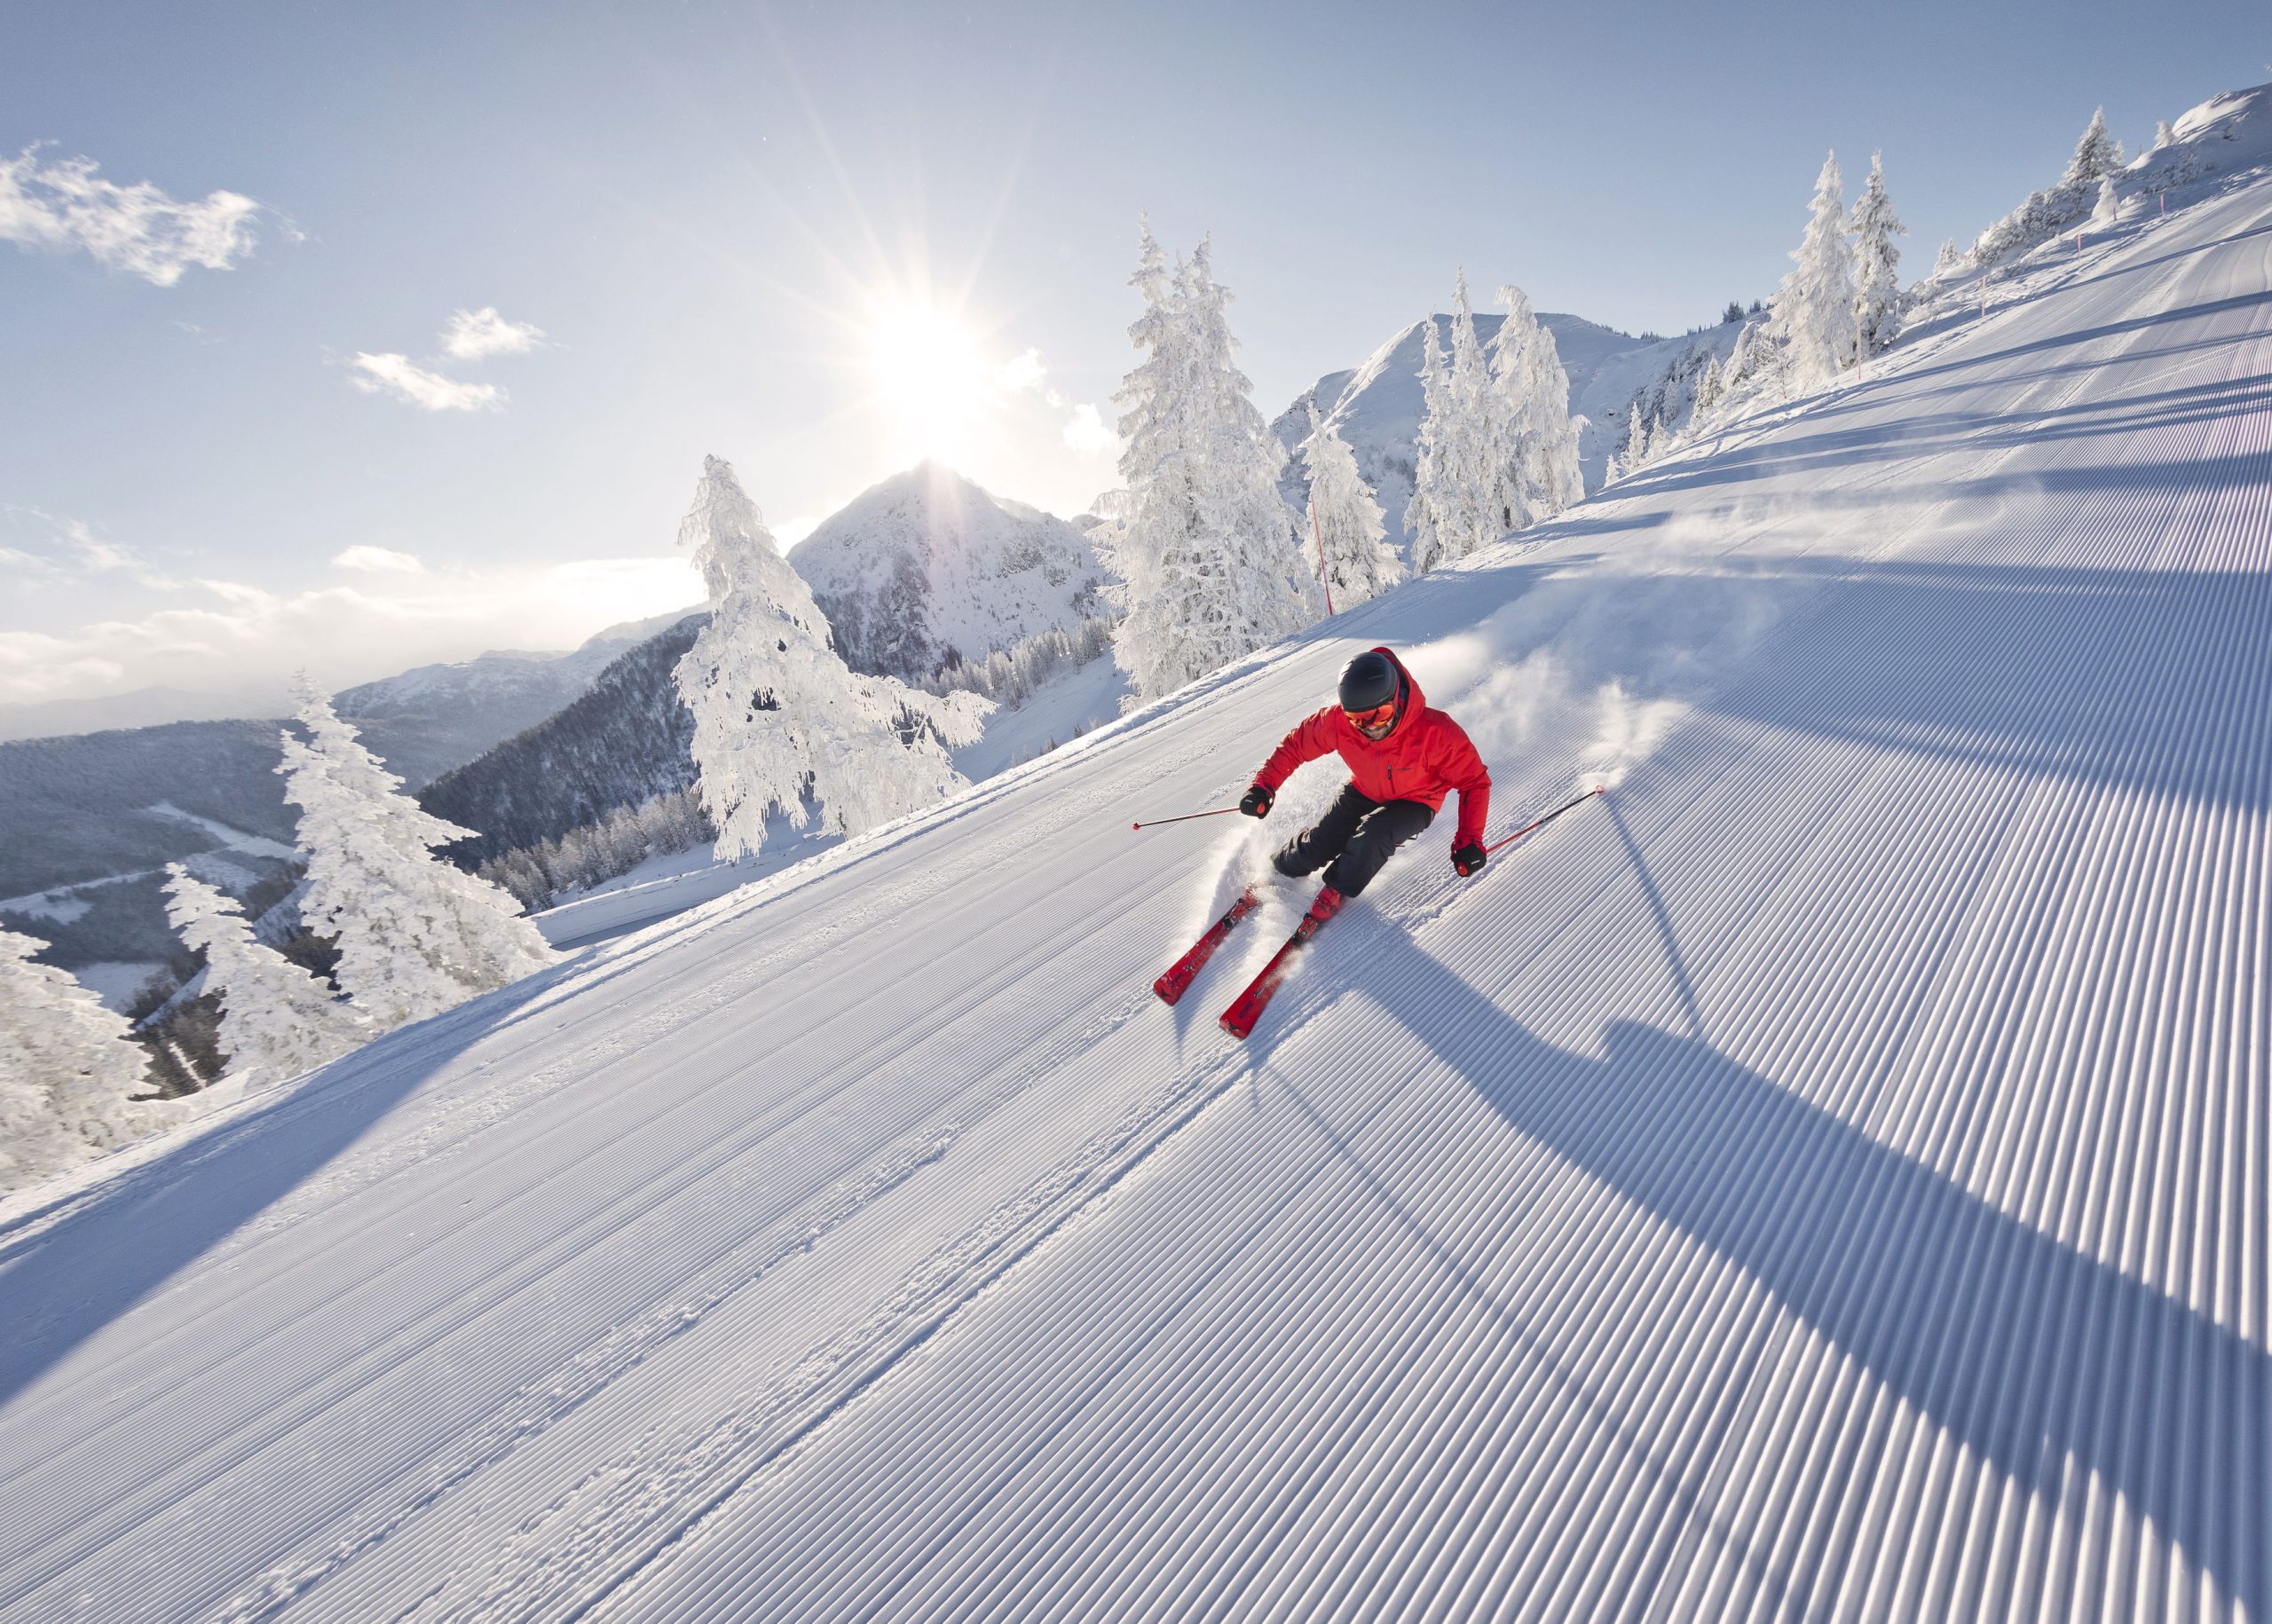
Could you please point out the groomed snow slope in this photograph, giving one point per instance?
(1824, 1179)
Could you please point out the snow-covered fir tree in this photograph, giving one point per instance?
(2164, 134)
(1878, 304)
(1947, 261)
(1536, 472)
(782, 725)
(1350, 529)
(1210, 558)
(1637, 436)
(1429, 514)
(1814, 310)
(1469, 444)
(67, 1069)
(1754, 373)
(2057, 209)
(276, 1018)
(416, 936)
(2097, 154)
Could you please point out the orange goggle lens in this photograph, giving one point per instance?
(1379, 716)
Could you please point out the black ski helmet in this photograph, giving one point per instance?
(1370, 680)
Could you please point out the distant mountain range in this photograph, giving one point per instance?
(434, 718)
(89, 821)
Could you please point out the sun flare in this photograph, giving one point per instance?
(930, 377)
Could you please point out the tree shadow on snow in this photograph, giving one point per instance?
(70, 1270)
(2027, 1352)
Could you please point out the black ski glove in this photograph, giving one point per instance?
(1468, 859)
(1255, 802)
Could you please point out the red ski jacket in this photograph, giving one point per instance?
(1424, 757)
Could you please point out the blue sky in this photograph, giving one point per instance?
(709, 210)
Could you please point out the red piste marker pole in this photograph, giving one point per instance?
(1325, 579)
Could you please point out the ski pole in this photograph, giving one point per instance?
(1542, 822)
(1186, 818)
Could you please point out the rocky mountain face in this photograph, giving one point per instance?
(928, 569)
(1378, 406)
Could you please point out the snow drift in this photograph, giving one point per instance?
(1824, 1178)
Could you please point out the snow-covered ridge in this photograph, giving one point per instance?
(928, 569)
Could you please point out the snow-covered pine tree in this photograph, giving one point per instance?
(1878, 304)
(1637, 436)
(276, 1018)
(1813, 321)
(1269, 591)
(1470, 445)
(1428, 515)
(1536, 469)
(1947, 261)
(2096, 155)
(416, 936)
(1359, 563)
(67, 1069)
(781, 723)
(2164, 134)
(1210, 558)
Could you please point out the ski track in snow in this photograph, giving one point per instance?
(1826, 1178)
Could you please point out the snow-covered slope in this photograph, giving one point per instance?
(928, 569)
(1378, 406)
(1824, 1180)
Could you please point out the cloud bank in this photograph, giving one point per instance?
(223, 635)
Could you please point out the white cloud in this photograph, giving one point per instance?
(1022, 370)
(400, 376)
(1086, 431)
(223, 635)
(67, 205)
(473, 333)
(378, 560)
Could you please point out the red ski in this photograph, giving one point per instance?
(1175, 980)
(1247, 1009)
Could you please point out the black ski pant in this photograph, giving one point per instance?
(1355, 837)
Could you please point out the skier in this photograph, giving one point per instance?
(1404, 759)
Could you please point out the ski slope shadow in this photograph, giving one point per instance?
(2149, 680)
(2026, 1352)
(66, 1276)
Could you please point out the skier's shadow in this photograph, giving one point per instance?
(2029, 1354)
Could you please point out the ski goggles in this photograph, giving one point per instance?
(1374, 722)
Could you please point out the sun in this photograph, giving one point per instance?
(931, 379)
